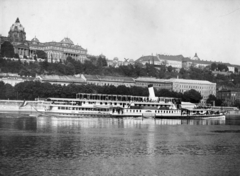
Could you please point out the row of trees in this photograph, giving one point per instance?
(212, 100)
(30, 90)
(219, 67)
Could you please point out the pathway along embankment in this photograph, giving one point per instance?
(19, 106)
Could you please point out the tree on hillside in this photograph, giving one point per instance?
(192, 96)
(101, 61)
(222, 67)
(41, 54)
(16, 55)
(212, 100)
(214, 66)
(7, 50)
(237, 103)
(170, 68)
(70, 59)
(2, 92)
(236, 70)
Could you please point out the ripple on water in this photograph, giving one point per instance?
(117, 147)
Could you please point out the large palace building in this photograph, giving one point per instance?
(56, 51)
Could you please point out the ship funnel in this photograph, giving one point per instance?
(151, 92)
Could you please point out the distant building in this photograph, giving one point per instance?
(56, 51)
(159, 59)
(205, 88)
(115, 62)
(109, 80)
(178, 62)
(228, 95)
(149, 60)
(168, 60)
(61, 80)
(157, 83)
(13, 78)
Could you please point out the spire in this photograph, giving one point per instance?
(195, 55)
(17, 20)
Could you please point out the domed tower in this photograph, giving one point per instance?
(17, 33)
(195, 57)
(35, 40)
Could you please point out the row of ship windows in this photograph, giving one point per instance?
(139, 105)
(82, 109)
(156, 111)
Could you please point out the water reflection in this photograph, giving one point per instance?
(18, 122)
(111, 146)
(54, 123)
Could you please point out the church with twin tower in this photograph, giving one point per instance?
(56, 51)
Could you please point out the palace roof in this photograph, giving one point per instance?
(171, 57)
(151, 79)
(147, 58)
(108, 78)
(190, 81)
(56, 78)
(67, 40)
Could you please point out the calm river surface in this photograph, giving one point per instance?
(45, 146)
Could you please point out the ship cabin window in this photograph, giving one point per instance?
(100, 103)
(115, 103)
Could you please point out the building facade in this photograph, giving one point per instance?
(174, 61)
(56, 51)
(178, 62)
(108, 80)
(157, 83)
(205, 88)
(60, 80)
(228, 96)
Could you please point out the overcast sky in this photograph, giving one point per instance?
(132, 28)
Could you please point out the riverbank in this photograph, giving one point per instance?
(20, 106)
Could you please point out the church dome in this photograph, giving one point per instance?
(35, 40)
(17, 26)
(195, 57)
(67, 40)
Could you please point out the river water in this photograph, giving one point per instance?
(44, 146)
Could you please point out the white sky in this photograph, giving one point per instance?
(132, 28)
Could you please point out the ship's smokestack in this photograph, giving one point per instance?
(151, 92)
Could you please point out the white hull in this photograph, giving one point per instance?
(160, 114)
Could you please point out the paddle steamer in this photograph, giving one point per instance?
(108, 105)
